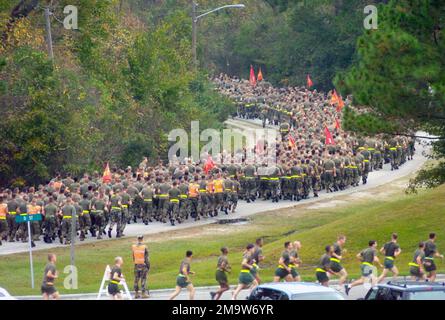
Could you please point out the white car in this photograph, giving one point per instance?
(294, 291)
(4, 295)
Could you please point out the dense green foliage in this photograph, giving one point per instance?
(400, 77)
(115, 90)
(287, 39)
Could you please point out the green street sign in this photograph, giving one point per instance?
(28, 217)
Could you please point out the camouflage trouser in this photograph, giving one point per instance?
(116, 219)
(316, 184)
(393, 156)
(355, 176)
(147, 212)
(137, 205)
(12, 226)
(3, 228)
(66, 229)
(348, 177)
(232, 200)
(50, 225)
(249, 187)
(338, 179)
(85, 223)
(286, 187)
(125, 217)
(162, 209)
(328, 180)
(273, 187)
(99, 219)
(297, 187)
(173, 210)
(219, 201)
(193, 207)
(184, 209)
(203, 205)
(264, 186)
(306, 185)
(366, 168)
(377, 160)
(140, 275)
(36, 230)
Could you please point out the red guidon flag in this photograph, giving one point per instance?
(106, 177)
(252, 76)
(209, 165)
(329, 139)
(292, 143)
(260, 75)
(334, 99)
(309, 82)
(337, 124)
(341, 104)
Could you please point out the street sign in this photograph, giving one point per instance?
(28, 217)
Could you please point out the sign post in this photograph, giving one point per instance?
(28, 218)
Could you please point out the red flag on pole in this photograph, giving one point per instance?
(252, 76)
(209, 165)
(260, 75)
(337, 124)
(106, 177)
(341, 104)
(329, 139)
(292, 143)
(309, 82)
(334, 99)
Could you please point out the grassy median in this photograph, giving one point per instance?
(412, 217)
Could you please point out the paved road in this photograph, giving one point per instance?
(376, 179)
(203, 293)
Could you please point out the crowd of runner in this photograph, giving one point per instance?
(183, 190)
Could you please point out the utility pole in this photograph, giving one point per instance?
(73, 236)
(49, 38)
(194, 30)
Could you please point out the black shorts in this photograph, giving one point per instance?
(336, 267)
(113, 289)
(322, 277)
(48, 289)
(429, 265)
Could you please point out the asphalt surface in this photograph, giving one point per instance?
(376, 179)
(203, 293)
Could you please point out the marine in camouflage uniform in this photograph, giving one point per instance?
(329, 173)
(173, 210)
(147, 209)
(68, 212)
(13, 207)
(115, 214)
(183, 200)
(141, 268)
(50, 211)
(203, 202)
(84, 218)
(366, 163)
(162, 194)
(99, 207)
(126, 204)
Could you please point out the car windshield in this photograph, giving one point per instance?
(427, 295)
(268, 294)
(318, 296)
